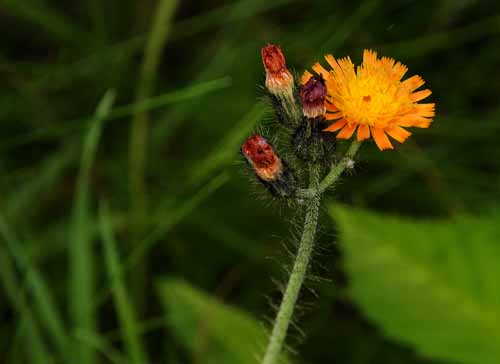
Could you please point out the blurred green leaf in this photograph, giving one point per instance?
(431, 284)
(226, 150)
(49, 172)
(82, 275)
(139, 133)
(37, 351)
(213, 332)
(47, 311)
(123, 303)
(183, 94)
(49, 19)
(101, 345)
(167, 218)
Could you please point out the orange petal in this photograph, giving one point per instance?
(413, 83)
(319, 69)
(333, 116)
(420, 95)
(331, 61)
(336, 126)
(369, 57)
(398, 133)
(410, 120)
(426, 110)
(387, 63)
(305, 77)
(347, 131)
(363, 132)
(347, 68)
(399, 70)
(330, 107)
(334, 64)
(424, 123)
(381, 139)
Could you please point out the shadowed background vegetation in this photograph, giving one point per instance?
(130, 233)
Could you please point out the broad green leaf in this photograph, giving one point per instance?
(431, 284)
(209, 329)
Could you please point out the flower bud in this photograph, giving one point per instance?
(262, 158)
(312, 95)
(279, 80)
(269, 168)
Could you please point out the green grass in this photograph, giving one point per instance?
(80, 284)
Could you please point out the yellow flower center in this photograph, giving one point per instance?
(371, 97)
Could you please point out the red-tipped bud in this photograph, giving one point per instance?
(279, 80)
(313, 94)
(261, 156)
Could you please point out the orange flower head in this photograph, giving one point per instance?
(279, 80)
(372, 99)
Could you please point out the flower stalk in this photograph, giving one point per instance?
(364, 102)
(298, 274)
(312, 202)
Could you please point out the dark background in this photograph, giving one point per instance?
(205, 220)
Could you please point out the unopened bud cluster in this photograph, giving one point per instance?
(299, 108)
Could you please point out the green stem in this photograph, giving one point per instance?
(298, 273)
(337, 170)
(312, 197)
(334, 173)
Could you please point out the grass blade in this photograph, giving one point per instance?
(36, 349)
(166, 220)
(81, 280)
(47, 310)
(140, 121)
(184, 94)
(224, 153)
(49, 171)
(124, 308)
(101, 345)
(173, 218)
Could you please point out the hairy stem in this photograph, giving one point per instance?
(312, 197)
(298, 273)
(334, 173)
(337, 170)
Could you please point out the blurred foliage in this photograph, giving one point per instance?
(205, 222)
(431, 284)
(213, 332)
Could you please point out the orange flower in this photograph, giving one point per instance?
(372, 99)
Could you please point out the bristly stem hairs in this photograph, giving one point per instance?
(370, 99)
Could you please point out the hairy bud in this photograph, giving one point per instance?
(262, 158)
(312, 95)
(279, 80)
(281, 87)
(269, 168)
